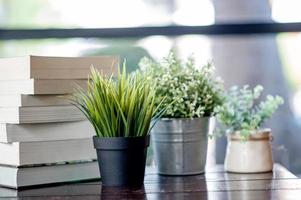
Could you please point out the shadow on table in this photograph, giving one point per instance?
(176, 187)
(109, 193)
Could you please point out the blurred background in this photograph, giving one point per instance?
(270, 59)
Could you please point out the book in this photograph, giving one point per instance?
(21, 100)
(40, 114)
(31, 86)
(15, 177)
(45, 67)
(55, 190)
(32, 153)
(45, 131)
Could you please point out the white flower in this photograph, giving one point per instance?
(184, 86)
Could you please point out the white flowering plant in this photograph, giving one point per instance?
(188, 91)
(241, 112)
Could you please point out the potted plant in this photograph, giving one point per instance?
(190, 96)
(120, 110)
(241, 118)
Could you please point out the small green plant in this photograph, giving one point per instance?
(240, 112)
(118, 107)
(188, 91)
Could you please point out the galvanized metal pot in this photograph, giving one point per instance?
(180, 145)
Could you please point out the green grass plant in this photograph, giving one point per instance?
(118, 107)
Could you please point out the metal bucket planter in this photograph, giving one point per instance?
(251, 156)
(121, 160)
(180, 145)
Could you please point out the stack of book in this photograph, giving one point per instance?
(43, 138)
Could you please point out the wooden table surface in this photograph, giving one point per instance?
(214, 184)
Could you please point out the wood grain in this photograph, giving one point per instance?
(214, 184)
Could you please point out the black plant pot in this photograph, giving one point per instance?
(121, 160)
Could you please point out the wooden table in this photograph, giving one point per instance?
(215, 184)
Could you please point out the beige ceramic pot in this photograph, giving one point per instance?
(251, 156)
